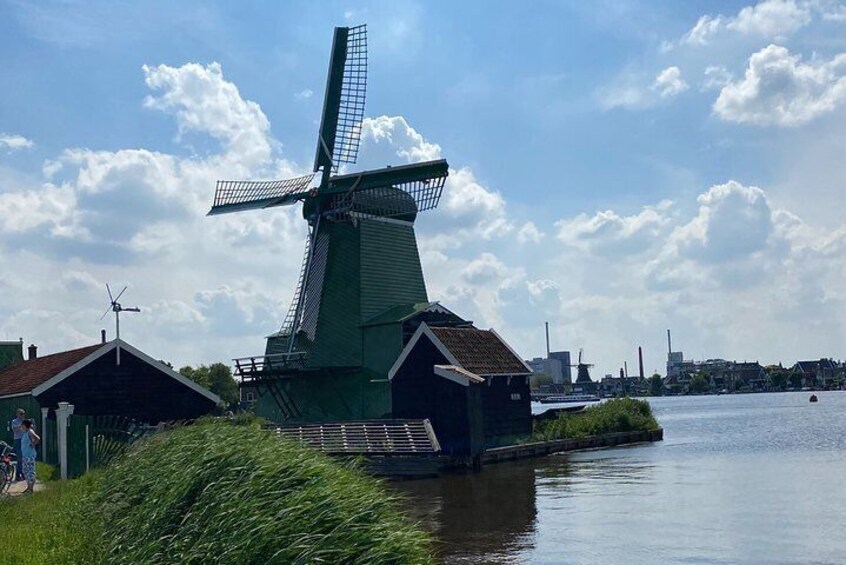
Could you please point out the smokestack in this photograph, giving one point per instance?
(102, 336)
(640, 360)
(33, 352)
(621, 372)
(546, 324)
(669, 343)
(626, 366)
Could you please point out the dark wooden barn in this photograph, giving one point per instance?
(140, 387)
(468, 382)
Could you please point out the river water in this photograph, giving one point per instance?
(756, 478)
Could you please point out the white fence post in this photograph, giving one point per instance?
(43, 430)
(63, 414)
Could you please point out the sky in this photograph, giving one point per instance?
(618, 168)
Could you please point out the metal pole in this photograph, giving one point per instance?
(117, 333)
(546, 324)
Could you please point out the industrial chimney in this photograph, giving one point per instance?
(102, 336)
(669, 343)
(640, 360)
(33, 352)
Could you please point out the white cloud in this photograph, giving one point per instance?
(609, 233)
(771, 19)
(13, 142)
(701, 33)
(529, 233)
(203, 101)
(669, 82)
(471, 208)
(779, 89)
(768, 19)
(484, 269)
(716, 77)
(734, 222)
(387, 138)
(304, 94)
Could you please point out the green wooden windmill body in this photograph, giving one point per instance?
(328, 362)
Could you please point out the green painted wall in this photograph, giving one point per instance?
(390, 267)
(329, 397)
(7, 413)
(10, 352)
(337, 341)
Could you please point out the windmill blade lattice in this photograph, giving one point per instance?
(353, 97)
(231, 196)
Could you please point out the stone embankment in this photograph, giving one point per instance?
(541, 448)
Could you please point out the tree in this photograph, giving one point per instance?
(698, 383)
(656, 385)
(217, 378)
(778, 379)
(538, 380)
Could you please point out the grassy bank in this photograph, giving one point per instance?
(216, 493)
(618, 415)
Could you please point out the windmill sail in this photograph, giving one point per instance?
(343, 103)
(234, 196)
(390, 192)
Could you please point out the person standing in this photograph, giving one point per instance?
(17, 428)
(29, 440)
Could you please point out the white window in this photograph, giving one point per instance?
(250, 396)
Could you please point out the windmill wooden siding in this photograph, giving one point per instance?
(390, 267)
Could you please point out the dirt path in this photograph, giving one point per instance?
(18, 487)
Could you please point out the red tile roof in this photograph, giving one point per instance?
(480, 351)
(23, 377)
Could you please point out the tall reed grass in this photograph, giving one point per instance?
(617, 415)
(219, 493)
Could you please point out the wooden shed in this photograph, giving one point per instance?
(140, 388)
(468, 382)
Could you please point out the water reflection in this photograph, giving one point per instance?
(738, 479)
(490, 514)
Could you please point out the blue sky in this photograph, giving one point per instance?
(618, 168)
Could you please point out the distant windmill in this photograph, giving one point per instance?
(361, 255)
(117, 309)
(583, 375)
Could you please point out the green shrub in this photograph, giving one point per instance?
(617, 415)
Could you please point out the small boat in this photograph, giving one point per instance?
(569, 398)
(813, 398)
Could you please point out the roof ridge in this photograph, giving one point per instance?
(64, 352)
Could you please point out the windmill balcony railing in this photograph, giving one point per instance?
(249, 368)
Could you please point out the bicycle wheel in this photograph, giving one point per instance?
(6, 479)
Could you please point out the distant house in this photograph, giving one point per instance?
(817, 374)
(140, 387)
(468, 382)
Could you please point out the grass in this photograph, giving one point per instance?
(617, 415)
(49, 526)
(218, 493)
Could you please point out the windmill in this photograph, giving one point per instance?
(583, 375)
(116, 307)
(361, 254)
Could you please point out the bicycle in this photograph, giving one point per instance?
(7, 467)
